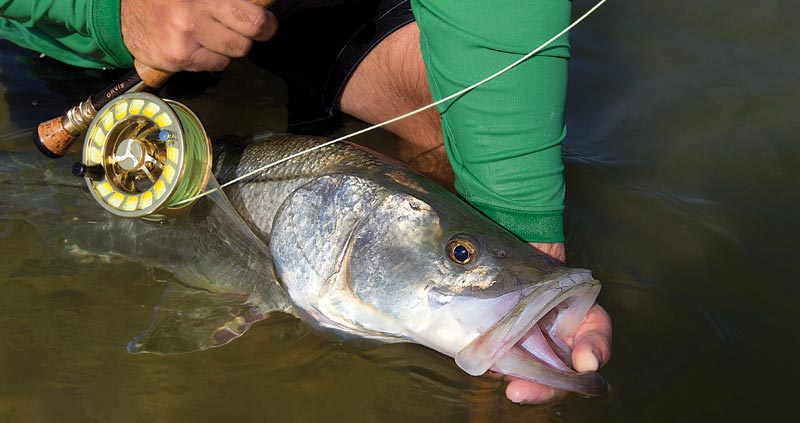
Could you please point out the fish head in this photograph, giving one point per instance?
(421, 265)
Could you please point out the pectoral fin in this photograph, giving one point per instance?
(190, 320)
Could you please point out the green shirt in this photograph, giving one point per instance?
(83, 33)
(503, 138)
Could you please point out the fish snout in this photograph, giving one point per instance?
(527, 341)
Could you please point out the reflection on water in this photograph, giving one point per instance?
(683, 189)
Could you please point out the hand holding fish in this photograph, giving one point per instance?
(591, 345)
(591, 349)
(554, 249)
(193, 35)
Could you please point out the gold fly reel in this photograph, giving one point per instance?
(143, 156)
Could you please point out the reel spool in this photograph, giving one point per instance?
(142, 156)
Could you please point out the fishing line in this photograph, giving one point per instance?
(411, 113)
(19, 133)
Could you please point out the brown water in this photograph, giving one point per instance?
(683, 191)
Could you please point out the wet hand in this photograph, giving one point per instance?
(552, 249)
(193, 35)
(591, 349)
(591, 346)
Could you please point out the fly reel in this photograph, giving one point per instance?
(144, 156)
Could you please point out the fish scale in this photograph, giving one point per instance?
(328, 159)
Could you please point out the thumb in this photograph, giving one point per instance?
(592, 342)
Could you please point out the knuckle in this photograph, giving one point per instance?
(238, 47)
(182, 56)
(252, 22)
(270, 27)
(183, 21)
(257, 23)
(219, 64)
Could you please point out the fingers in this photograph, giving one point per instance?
(245, 18)
(204, 59)
(591, 350)
(591, 346)
(194, 35)
(228, 29)
(527, 392)
(221, 40)
(552, 249)
(236, 24)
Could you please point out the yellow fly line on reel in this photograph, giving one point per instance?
(144, 156)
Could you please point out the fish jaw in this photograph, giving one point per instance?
(519, 333)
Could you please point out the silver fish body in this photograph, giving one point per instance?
(364, 245)
(344, 239)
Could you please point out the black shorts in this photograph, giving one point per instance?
(317, 48)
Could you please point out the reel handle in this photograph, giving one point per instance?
(56, 136)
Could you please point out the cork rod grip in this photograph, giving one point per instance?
(56, 136)
(53, 140)
(153, 78)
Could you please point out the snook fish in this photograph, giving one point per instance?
(342, 238)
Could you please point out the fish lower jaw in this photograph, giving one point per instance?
(539, 358)
(526, 342)
(553, 308)
(520, 363)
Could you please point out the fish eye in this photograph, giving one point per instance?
(461, 251)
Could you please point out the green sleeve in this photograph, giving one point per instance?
(83, 33)
(504, 137)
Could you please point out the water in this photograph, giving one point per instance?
(682, 198)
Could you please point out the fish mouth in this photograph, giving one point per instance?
(527, 341)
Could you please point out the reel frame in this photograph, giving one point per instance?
(145, 156)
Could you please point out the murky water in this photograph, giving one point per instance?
(682, 198)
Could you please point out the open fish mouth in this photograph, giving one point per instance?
(527, 341)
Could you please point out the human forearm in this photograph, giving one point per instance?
(503, 138)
